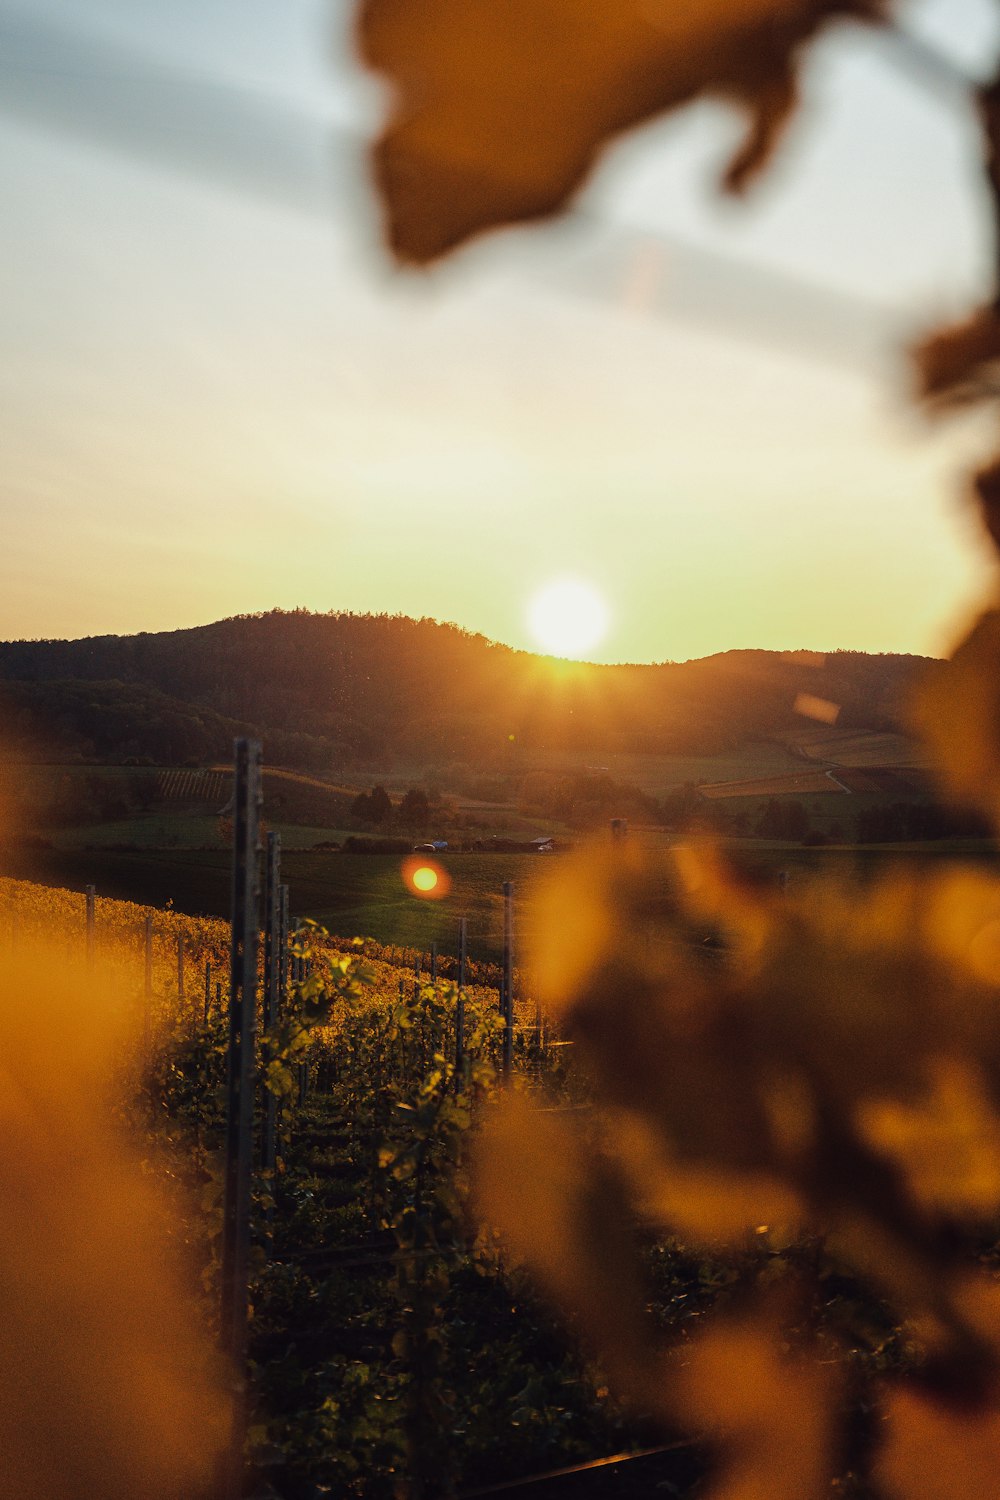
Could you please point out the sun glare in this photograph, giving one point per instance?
(568, 617)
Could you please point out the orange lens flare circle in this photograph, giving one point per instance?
(426, 878)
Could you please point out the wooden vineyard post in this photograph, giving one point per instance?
(460, 1002)
(507, 992)
(180, 968)
(91, 895)
(272, 981)
(239, 1120)
(282, 946)
(208, 989)
(434, 963)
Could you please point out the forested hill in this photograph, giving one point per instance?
(342, 689)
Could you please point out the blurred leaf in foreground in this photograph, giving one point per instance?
(832, 1073)
(958, 714)
(769, 1413)
(501, 107)
(109, 1385)
(960, 363)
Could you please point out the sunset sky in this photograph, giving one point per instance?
(218, 397)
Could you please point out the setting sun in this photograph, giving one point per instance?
(568, 617)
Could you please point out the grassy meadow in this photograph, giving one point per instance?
(350, 894)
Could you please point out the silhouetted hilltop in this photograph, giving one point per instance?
(339, 689)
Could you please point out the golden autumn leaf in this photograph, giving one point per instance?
(986, 485)
(704, 1203)
(957, 712)
(837, 1069)
(769, 1414)
(502, 107)
(550, 1188)
(932, 1451)
(946, 1139)
(109, 1385)
(559, 1207)
(959, 363)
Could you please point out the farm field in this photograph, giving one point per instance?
(659, 774)
(794, 784)
(173, 808)
(350, 894)
(183, 830)
(865, 748)
(183, 784)
(364, 895)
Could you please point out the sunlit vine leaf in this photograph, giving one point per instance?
(986, 485)
(839, 1068)
(937, 1451)
(501, 107)
(958, 713)
(560, 1207)
(836, 1072)
(961, 362)
(770, 1413)
(563, 1210)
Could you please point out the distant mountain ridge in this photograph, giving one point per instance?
(325, 691)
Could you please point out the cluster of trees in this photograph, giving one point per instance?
(783, 820)
(788, 819)
(70, 798)
(375, 809)
(111, 720)
(583, 798)
(906, 822)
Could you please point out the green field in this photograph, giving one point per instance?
(351, 894)
(169, 831)
(365, 896)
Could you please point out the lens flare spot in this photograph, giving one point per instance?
(426, 878)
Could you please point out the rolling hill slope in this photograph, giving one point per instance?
(339, 690)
